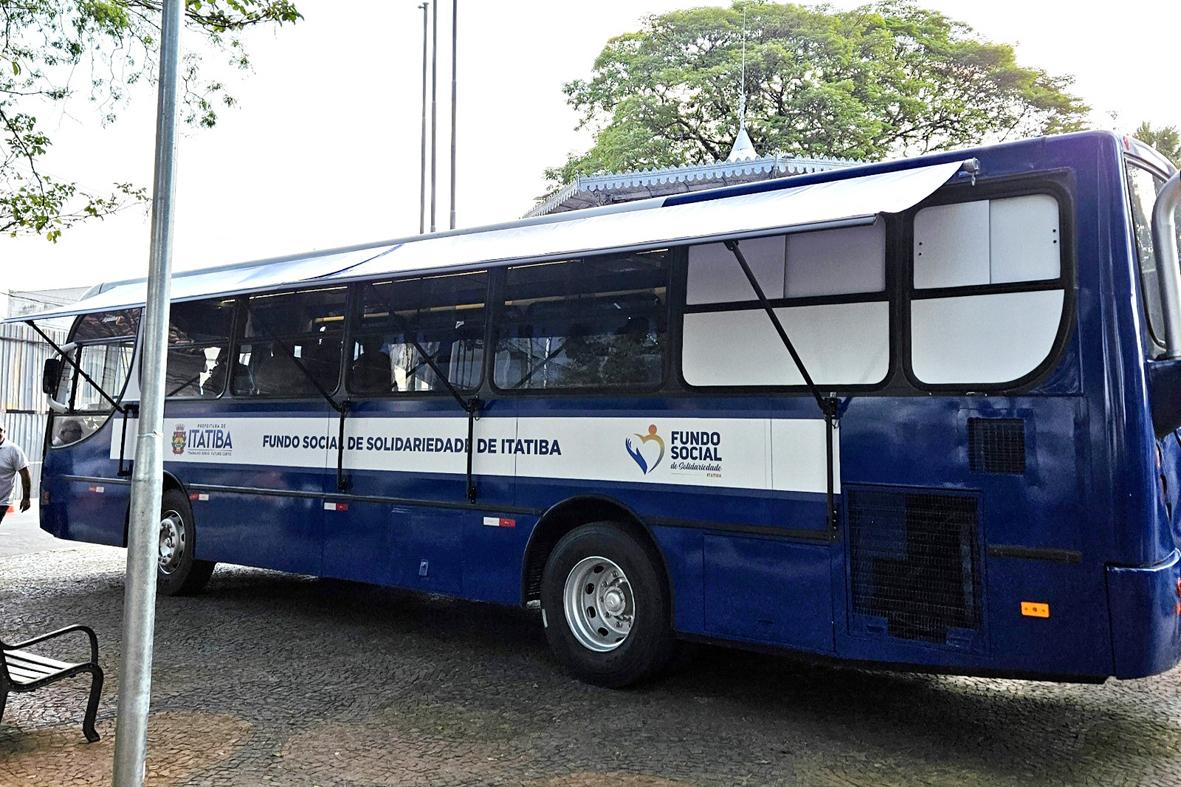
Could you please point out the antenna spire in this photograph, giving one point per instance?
(744, 149)
(742, 84)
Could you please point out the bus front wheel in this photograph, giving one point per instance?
(178, 572)
(606, 607)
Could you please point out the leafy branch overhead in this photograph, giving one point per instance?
(884, 79)
(1166, 140)
(55, 51)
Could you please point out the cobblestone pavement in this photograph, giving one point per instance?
(277, 679)
(19, 534)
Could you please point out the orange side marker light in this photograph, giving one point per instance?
(1035, 609)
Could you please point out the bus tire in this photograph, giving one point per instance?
(178, 573)
(606, 607)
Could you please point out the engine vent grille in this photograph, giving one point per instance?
(915, 562)
(996, 445)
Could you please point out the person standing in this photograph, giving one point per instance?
(12, 462)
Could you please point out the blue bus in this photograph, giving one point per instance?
(920, 414)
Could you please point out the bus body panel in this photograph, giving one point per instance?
(1029, 537)
(1146, 617)
(783, 596)
(83, 496)
(269, 516)
(405, 544)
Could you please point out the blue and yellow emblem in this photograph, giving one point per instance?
(637, 451)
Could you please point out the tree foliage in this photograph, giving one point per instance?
(1166, 140)
(54, 51)
(884, 79)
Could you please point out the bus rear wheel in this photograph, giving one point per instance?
(606, 607)
(178, 573)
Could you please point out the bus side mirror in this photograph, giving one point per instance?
(50, 374)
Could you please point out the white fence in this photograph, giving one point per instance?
(23, 407)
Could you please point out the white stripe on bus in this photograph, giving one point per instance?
(740, 453)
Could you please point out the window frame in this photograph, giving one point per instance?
(231, 354)
(1054, 184)
(106, 414)
(238, 339)
(353, 323)
(668, 351)
(77, 377)
(887, 295)
(72, 335)
(1156, 342)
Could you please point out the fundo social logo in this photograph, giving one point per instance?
(646, 450)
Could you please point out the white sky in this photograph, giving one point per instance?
(323, 149)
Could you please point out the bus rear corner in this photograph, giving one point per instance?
(1145, 607)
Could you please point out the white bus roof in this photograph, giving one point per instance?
(649, 224)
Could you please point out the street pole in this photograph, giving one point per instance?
(434, 102)
(422, 156)
(139, 599)
(454, 37)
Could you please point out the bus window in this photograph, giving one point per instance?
(289, 340)
(442, 316)
(105, 348)
(970, 325)
(806, 264)
(198, 348)
(117, 325)
(1143, 187)
(593, 323)
(107, 365)
(828, 290)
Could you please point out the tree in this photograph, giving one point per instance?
(1166, 140)
(884, 79)
(50, 48)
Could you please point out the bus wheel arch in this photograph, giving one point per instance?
(562, 518)
(178, 572)
(169, 482)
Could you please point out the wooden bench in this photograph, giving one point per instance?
(22, 671)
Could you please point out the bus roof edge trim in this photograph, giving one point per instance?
(827, 204)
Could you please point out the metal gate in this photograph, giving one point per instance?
(23, 407)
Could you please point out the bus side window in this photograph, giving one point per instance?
(198, 348)
(828, 290)
(1143, 187)
(290, 343)
(592, 323)
(989, 292)
(396, 322)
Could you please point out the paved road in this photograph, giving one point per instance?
(273, 678)
(19, 535)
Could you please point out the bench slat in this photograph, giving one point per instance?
(34, 667)
(16, 667)
(19, 675)
(36, 658)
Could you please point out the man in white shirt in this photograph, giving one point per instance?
(12, 461)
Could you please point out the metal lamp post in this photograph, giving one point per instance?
(139, 612)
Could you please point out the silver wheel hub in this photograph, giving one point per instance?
(599, 605)
(172, 542)
(614, 602)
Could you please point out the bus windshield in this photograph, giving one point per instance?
(104, 348)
